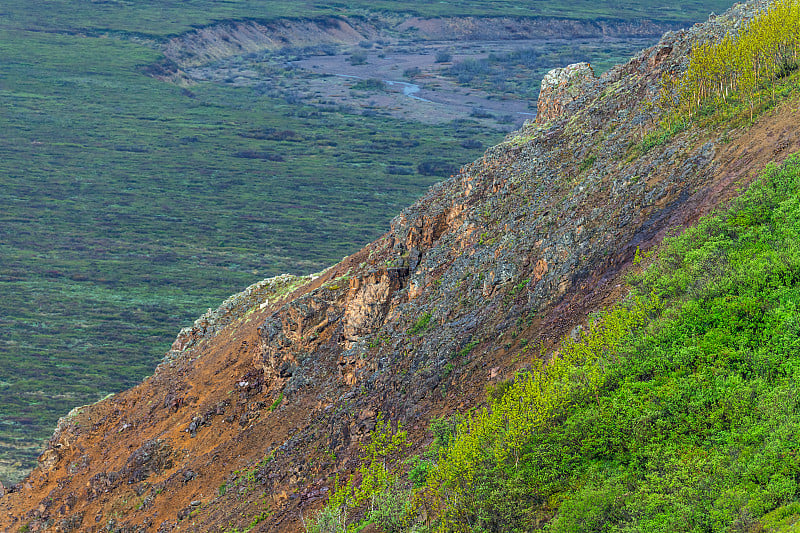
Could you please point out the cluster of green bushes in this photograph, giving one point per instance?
(733, 80)
(389, 503)
(474, 474)
(677, 410)
(742, 64)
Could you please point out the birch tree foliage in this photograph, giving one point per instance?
(744, 66)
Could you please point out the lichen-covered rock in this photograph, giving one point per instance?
(561, 87)
(233, 308)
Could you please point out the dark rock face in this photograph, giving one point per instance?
(153, 457)
(264, 400)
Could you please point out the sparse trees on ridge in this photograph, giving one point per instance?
(740, 66)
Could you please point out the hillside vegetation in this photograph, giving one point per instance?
(743, 71)
(746, 65)
(675, 410)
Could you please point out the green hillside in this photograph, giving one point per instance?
(676, 411)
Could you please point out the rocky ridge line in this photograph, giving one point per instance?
(234, 308)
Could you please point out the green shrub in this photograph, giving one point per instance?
(328, 520)
(593, 509)
(392, 510)
(495, 391)
(369, 84)
(421, 324)
(463, 352)
(358, 58)
(420, 469)
(444, 432)
(277, 402)
(443, 56)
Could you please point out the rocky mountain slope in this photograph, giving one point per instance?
(263, 402)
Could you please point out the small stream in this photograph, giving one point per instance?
(410, 90)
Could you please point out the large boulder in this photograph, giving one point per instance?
(561, 87)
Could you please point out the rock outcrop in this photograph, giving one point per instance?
(248, 426)
(232, 309)
(562, 87)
